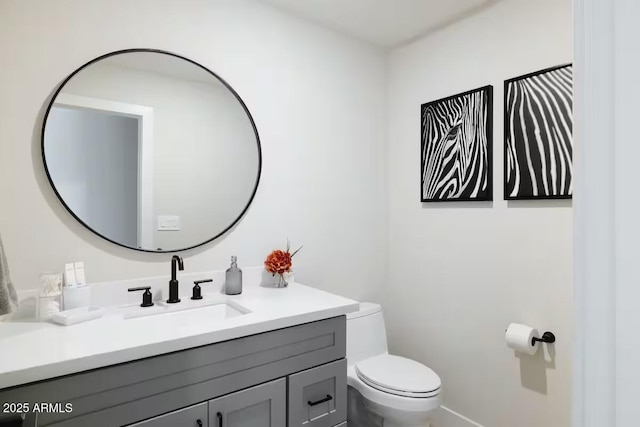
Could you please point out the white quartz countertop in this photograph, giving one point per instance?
(37, 351)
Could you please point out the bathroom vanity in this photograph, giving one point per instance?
(280, 364)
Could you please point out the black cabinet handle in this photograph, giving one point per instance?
(199, 423)
(219, 419)
(326, 399)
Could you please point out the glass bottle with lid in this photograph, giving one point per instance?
(233, 278)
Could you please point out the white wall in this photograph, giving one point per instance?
(205, 158)
(459, 273)
(318, 100)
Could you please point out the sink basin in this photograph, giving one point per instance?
(207, 310)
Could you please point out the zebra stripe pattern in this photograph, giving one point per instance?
(538, 135)
(456, 147)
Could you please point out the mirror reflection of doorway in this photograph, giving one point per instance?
(100, 149)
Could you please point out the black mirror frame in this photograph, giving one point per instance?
(227, 85)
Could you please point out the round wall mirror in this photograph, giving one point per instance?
(151, 150)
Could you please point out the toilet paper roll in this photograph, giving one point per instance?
(519, 338)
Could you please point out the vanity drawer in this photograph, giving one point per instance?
(318, 396)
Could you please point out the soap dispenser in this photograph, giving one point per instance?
(233, 282)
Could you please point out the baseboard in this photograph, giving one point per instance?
(445, 417)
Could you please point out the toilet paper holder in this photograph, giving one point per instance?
(547, 337)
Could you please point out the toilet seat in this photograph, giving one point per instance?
(398, 376)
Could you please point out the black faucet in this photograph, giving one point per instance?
(173, 283)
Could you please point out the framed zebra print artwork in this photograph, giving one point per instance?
(456, 144)
(538, 124)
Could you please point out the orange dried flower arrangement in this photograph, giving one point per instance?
(279, 262)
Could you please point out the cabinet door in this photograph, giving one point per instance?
(260, 406)
(193, 416)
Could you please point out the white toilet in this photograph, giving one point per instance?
(401, 391)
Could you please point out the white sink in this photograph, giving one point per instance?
(214, 309)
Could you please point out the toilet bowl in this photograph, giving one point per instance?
(401, 391)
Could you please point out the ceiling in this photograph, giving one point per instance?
(386, 23)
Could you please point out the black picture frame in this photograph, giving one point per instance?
(164, 52)
(552, 93)
(486, 111)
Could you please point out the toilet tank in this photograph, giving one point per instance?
(366, 334)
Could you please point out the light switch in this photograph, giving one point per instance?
(168, 223)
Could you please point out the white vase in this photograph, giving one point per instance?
(288, 277)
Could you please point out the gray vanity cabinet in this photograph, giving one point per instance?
(261, 406)
(253, 381)
(193, 416)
